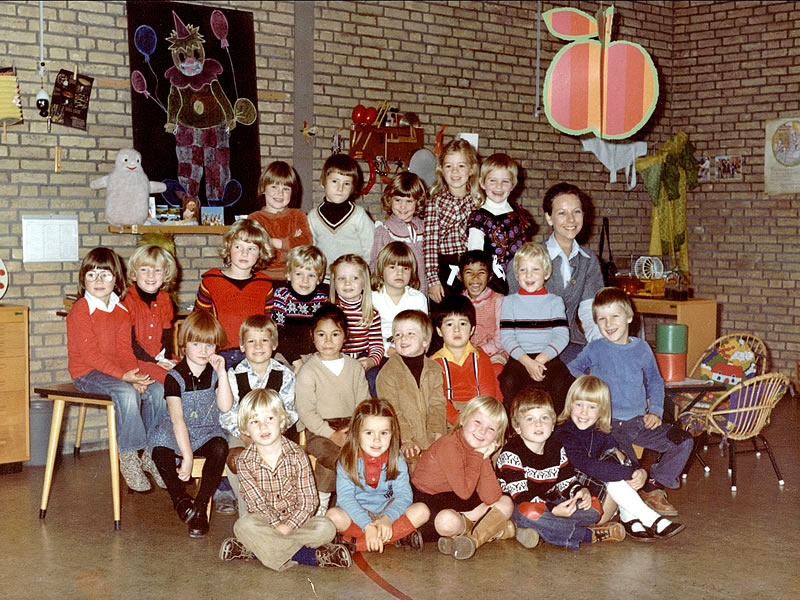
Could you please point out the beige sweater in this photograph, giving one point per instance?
(322, 395)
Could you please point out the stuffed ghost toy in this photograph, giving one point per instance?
(127, 190)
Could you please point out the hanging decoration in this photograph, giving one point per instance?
(70, 100)
(594, 85)
(10, 100)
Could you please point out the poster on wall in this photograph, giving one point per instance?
(782, 156)
(69, 102)
(195, 122)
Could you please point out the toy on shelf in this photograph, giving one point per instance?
(127, 190)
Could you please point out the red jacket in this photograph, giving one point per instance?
(149, 323)
(100, 341)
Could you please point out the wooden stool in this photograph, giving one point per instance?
(60, 394)
(197, 473)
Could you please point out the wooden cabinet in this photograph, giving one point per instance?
(14, 384)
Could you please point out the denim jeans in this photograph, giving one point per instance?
(674, 454)
(559, 531)
(129, 405)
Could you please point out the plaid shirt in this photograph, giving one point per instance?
(286, 494)
(445, 230)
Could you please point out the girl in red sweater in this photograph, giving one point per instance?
(101, 361)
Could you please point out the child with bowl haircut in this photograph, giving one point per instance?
(412, 383)
(240, 289)
(534, 331)
(296, 303)
(534, 470)
(475, 271)
(468, 371)
(628, 366)
(287, 227)
(338, 226)
(280, 528)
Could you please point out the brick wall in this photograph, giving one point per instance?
(467, 65)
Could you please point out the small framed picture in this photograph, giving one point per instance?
(728, 168)
(212, 215)
(190, 213)
(704, 169)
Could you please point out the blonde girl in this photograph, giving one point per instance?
(454, 195)
(455, 478)
(350, 292)
(101, 360)
(373, 493)
(404, 199)
(394, 283)
(611, 476)
(197, 393)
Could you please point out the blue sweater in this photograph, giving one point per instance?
(584, 448)
(390, 498)
(631, 372)
(530, 324)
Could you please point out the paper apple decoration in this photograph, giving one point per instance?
(595, 85)
(359, 113)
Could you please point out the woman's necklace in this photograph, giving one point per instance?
(194, 396)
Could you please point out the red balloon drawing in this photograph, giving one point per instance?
(219, 25)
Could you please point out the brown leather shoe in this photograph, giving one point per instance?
(657, 500)
(608, 532)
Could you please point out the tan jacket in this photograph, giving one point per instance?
(420, 410)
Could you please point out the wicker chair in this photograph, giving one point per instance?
(740, 414)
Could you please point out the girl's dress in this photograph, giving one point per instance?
(395, 230)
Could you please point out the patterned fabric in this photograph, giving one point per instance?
(487, 323)
(395, 230)
(503, 234)
(533, 323)
(285, 495)
(233, 300)
(200, 150)
(362, 340)
(353, 235)
(200, 411)
(445, 230)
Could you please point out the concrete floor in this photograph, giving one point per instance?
(742, 545)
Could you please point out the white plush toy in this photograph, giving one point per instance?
(127, 190)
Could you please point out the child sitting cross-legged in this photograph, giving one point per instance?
(468, 371)
(258, 338)
(608, 473)
(456, 481)
(412, 383)
(629, 368)
(534, 470)
(277, 484)
(373, 494)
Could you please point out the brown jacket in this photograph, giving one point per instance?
(420, 410)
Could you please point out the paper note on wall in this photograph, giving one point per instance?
(49, 238)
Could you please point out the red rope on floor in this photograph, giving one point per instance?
(359, 559)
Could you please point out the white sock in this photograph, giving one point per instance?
(631, 505)
(324, 499)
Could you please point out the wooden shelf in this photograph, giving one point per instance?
(195, 229)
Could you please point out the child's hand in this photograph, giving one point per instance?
(490, 449)
(651, 421)
(166, 364)
(218, 364)
(436, 293)
(638, 479)
(584, 497)
(338, 437)
(536, 370)
(139, 387)
(373, 541)
(276, 243)
(410, 449)
(366, 362)
(133, 376)
(185, 470)
(384, 526)
(566, 508)
(283, 528)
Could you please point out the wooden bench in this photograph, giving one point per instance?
(60, 394)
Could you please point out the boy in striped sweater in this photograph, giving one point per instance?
(534, 331)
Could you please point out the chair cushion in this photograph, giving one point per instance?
(730, 363)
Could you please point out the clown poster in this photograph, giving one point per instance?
(193, 82)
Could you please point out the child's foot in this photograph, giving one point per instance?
(233, 549)
(527, 537)
(131, 468)
(609, 532)
(150, 467)
(638, 532)
(226, 504)
(198, 525)
(413, 541)
(185, 508)
(334, 555)
(347, 542)
(657, 500)
(664, 528)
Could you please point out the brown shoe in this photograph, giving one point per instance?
(334, 555)
(609, 532)
(233, 549)
(657, 500)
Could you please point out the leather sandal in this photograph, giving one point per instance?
(645, 535)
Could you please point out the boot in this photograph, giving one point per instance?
(131, 468)
(150, 467)
(447, 544)
(491, 526)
